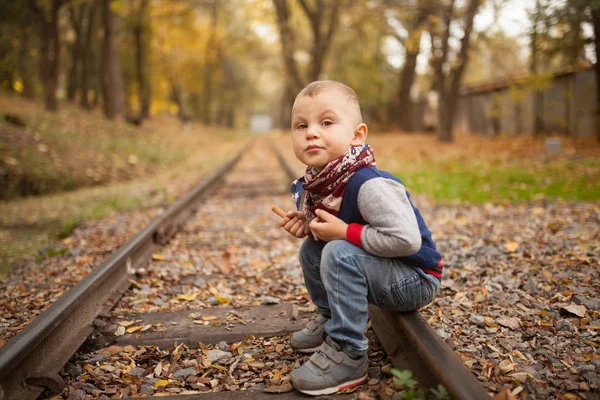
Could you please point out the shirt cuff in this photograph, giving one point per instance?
(353, 234)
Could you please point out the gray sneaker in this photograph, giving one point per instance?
(310, 338)
(330, 370)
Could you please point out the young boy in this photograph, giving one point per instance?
(365, 241)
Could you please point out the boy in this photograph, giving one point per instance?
(365, 241)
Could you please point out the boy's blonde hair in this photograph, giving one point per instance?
(316, 87)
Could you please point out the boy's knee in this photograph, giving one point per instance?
(308, 252)
(335, 250)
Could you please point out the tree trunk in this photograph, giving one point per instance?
(209, 64)
(25, 67)
(112, 84)
(448, 87)
(322, 32)
(596, 21)
(76, 14)
(288, 46)
(538, 124)
(87, 56)
(407, 76)
(49, 50)
(142, 60)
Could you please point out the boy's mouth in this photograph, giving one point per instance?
(312, 148)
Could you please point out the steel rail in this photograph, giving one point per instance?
(411, 343)
(30, 362)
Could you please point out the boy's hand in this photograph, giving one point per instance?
(294, 223)
(328, 227)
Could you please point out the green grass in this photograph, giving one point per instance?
(518, 182)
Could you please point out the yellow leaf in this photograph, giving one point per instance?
(134, 328)
(126, 323)
(209, 317)
(158, 257)
(219, 367)
(511, 246)
(222, 300)
(188, 297)
(162, 382)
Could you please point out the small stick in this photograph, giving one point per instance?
(282, 214)
(278, 211)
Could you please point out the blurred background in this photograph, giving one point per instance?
(131, 95)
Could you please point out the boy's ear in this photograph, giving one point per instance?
(360, 134)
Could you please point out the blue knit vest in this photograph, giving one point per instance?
(427, 257)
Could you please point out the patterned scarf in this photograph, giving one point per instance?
(325, 189)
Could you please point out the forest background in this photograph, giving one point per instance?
(106, 102)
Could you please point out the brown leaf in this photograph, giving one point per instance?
(575, 309)
(509, 322)
(505, 395)
(511, 246)
(112, 350)
(285, 388)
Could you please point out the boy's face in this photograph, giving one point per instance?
(324, 126)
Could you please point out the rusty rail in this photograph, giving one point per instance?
(30, 362)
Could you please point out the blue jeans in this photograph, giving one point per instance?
(342, 279)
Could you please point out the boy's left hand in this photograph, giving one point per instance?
(328, 227)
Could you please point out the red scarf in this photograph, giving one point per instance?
(325, 189)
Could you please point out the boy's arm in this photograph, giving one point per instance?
(392, 229)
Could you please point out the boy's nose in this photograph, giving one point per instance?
(312, 132)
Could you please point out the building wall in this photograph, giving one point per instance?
(568, 107)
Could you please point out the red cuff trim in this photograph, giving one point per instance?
(353, 234)
(437, 274)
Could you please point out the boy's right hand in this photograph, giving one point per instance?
(295, 224)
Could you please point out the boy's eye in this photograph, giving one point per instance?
(327, 123)
(301, 126)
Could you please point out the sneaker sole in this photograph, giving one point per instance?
(335, 389)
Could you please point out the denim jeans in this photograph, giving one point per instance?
(342, 279)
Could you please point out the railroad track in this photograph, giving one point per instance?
(206, 309)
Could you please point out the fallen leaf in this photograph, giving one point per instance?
(505, 395)
(162, 382)
(511, 246)
(209, 317)
(188, 297)
(509, 322)
(222, 299)
(120, 331)
(285, 388)
(126, 323)
(575, 309)
(135, 328)
(158, 257)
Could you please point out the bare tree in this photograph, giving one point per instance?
(87, 55)
(415, 27)
(323, 17)
(538, 121)
(210, 62)
(140, 31)
(112, 81)
(25, 67)
(448, 74)
(76, 17)
(596, 23)
(47, 21)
